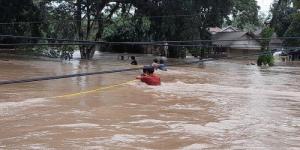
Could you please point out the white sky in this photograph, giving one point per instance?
(265, 5)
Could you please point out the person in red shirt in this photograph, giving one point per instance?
(149, 77)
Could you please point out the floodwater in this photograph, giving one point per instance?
(221, 105)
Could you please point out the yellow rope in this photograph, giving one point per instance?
(94, 90)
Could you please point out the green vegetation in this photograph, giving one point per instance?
(266, 34)
(127, 29)
(286, 20)
(19, 11)
(245, 14)
(266, 59)
(286, 23)
(137, 20)
(293, 31)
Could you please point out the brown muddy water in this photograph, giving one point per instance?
(223, 105)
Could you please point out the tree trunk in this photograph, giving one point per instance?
(78, 19)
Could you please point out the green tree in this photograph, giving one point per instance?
(185, 20)
(126, 20)
(281, 16)
(294, 28)
(286, 20)
(266, 58)
(293, 31)
(80, 20)
(266, 35)
(127, 29)
(12, 11)
(245, 14)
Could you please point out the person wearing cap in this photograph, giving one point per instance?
(149, 77)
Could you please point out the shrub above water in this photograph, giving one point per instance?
(267, 59)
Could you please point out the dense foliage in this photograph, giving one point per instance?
(114, 20)
(266, 60)
(286, 20)
(123, 20)
(245, 14)
(266, 34)
(12, 11)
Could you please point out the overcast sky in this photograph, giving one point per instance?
(264, 5)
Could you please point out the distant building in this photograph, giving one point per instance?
(275, 42)
(236, 43)
(230, 29)
(214, 30)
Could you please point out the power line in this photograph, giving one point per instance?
(145, 44)
(141, 43)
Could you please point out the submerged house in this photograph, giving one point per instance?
(236, 43)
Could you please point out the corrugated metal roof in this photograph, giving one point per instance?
(236, 40)
(275, 40)
(228, 38)
(230, 29)
(215, 29)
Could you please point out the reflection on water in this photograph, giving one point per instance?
(224, 105)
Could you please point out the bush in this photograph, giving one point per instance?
(265, 60)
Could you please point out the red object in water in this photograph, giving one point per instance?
(151, 79)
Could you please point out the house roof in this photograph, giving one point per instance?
(236, 40)
(226, 38)
(257, 32)
(275, 39)
(230, 29)
(215, 29)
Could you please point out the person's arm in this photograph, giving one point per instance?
(140, 76)
(155, 65)
(134, 62)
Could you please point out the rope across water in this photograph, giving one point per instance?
(93, 90)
